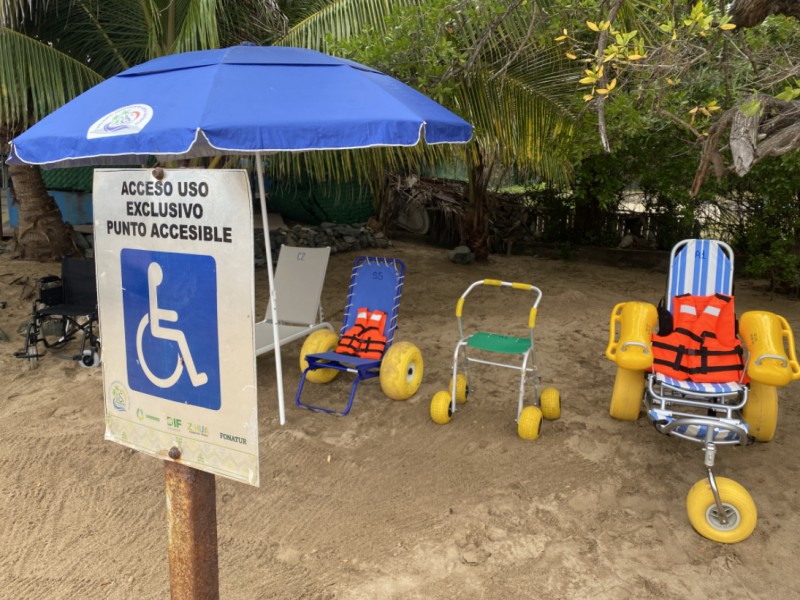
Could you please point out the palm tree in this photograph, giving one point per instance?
(55, 49)
(493, 70)
(512, 94)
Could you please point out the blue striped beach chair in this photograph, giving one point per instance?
(375, 285)
(682, 395)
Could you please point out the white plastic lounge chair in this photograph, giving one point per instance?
(299, 277)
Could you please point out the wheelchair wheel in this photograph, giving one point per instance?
(321, 340)
(401, 371)
(440, 408)
(90, 358)
(626, 399)
(740, 511)
(550, 403)
(530, 423)
(462, 391)
(761, 411)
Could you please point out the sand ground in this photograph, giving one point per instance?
(384, 503)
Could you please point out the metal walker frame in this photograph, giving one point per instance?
(501, 344)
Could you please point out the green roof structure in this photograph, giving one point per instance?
(77, 179)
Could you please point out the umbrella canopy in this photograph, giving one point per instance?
(237, 100)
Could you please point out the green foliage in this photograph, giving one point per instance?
(600, 179)
(767, 204)
(779, 264)
(790, 91)
(557, 209)
(22, 99)
(421, 45)
(485, 62)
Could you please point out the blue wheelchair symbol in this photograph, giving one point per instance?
(169, 303)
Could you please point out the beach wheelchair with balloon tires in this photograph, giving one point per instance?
(701, 377)
(365, 346)
(65, 310)
(478, 346)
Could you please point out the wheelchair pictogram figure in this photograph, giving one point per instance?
(154, 318)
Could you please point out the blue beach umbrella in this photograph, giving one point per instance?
(242, 100)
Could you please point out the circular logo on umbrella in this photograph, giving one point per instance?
(123, 121)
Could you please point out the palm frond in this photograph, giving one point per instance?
(15, 12)
(259, 21)
(196, 25)
(518, 128)
(338, 20)
(299, 10)
(109, 36)
(38, 80)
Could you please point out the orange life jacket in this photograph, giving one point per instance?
(702, 346)
(373, 342)
(365, 338)
(350, 342)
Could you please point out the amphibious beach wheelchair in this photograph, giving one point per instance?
(65, 309)
(684, 363)
(481, 343)
(365, 347)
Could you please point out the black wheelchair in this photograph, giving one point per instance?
(65, 310)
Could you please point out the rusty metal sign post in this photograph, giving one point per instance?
(177, 322)
(192, 527)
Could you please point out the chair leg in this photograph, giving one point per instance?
(465, 364)
(311, 406)
(320, 408)
(352, 396)
(522, 379)
(300, 389)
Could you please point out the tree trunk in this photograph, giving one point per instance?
(475, 231)
(41, 232)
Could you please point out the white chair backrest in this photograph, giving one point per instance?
(299, 278)
(700, 268)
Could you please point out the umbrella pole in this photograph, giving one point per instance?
(272, 293)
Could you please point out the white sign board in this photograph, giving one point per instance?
(174, 259)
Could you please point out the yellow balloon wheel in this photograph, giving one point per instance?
(440, 408)
(626, 399)
(740, 511)
(550, 403)
(461, 388)
(321, 340)
(401, 371)
(761, 411)
(530, 423)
